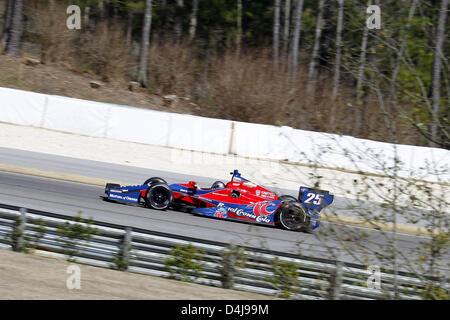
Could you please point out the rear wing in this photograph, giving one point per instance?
(314, 198)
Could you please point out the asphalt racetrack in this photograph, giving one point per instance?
(74, 198)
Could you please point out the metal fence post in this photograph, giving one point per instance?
(18, 242)
(228, 268)
(335, 282)
(125, 248)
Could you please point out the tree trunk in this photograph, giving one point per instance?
(86, 18)
(130, 28)
(179, 21)
(16, 30)
(359, 81)
(436, 74)
(401, 50)
(391, 115)
(142, 72)
(287, 12)
(337, 64)
(163, 18)
(239, 27)
(328, 31)
(7, 21)
(296, 38)
(312, 64)
(193, 20)
(276, 30)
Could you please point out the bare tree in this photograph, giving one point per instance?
(130, 27)
(193, 20)
(16, 30)
(143, 57)
(312, 64)
(359, 80)
(337, 64)
(86, 18)
(7, 20)
(163, 24)
(296, 38)
(436, 74)
(287, 12)
(276, 30)
(396, 69)
(239, 27)
(179, 20)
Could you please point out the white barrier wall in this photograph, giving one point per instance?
(138, 125)
(76, 116)
(22, 107)
(217, 136)
(199, 134)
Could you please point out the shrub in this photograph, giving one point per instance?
(71, 234)
(285, 278)
(185, 263)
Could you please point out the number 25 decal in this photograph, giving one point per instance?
(313, 198)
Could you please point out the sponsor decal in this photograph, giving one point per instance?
(254, 215)
(267, 195)
(264, 208)
(258, 192)
(117, 196)
(183, 190)
(221, 212)
(249, 184)
(262, 219)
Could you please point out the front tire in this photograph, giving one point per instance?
(154, 180)
(159, 196)
(292, 216)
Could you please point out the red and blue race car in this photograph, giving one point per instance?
(239, 199)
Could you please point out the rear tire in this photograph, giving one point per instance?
(292, 216)
(154, 180)
(159, 196)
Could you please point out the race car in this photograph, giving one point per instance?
(240, 199)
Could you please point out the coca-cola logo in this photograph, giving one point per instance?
(258, 212)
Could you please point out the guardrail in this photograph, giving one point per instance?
(145, 252)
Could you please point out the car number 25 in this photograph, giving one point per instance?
(313, 198)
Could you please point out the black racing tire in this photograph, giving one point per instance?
(287, 198)
(292, 216)
(159, 196)
(154, 180)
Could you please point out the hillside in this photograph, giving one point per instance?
(59, 79)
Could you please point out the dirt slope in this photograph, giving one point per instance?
(60, 79)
